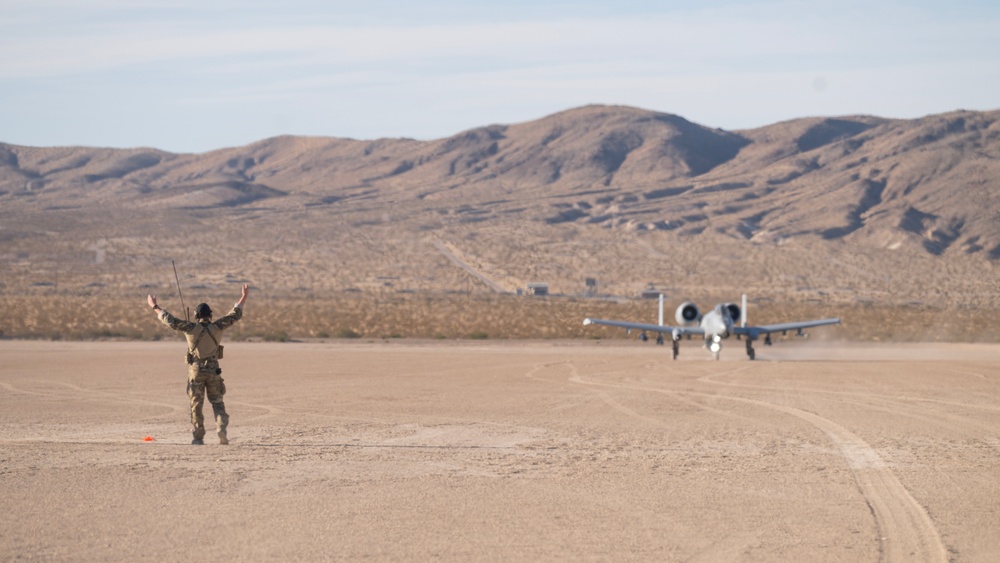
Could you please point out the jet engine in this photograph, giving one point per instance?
(734, 311)
(687, 313)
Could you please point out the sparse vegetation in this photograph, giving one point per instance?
(278, 336)
(436, 248)
(476, 317)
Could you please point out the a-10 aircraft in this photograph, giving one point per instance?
(715, 326)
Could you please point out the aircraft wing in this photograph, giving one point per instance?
(665, 329)
(755, 331)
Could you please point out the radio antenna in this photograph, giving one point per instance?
(178, 280)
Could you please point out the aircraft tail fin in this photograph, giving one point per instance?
(743, 312)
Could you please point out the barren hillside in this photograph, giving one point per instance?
(852, 209)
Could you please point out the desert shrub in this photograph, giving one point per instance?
(277, 336)
(444, 316)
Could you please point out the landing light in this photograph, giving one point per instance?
(714, 346)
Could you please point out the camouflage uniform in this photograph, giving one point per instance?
(204, 375)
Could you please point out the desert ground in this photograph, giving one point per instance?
(516, 450)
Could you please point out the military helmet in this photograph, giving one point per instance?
(202, 311)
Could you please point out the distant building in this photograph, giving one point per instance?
(591, 284)
(651, 293)
(537, 289)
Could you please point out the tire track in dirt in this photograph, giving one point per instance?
(906, 531)
(709, 378)
(118, 397)
(900, 405)
(269, 411)
(10, 388)
(575, 378)
(603, 396)
(678, 396)
(82, 392)
(968, 428)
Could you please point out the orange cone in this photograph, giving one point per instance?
(147, 439)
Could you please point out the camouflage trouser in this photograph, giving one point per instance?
(206, 380)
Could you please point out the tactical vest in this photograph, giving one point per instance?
(203, 342)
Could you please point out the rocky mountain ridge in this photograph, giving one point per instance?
(932, 182)
(851, 209)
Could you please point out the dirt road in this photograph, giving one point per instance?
(504, 451)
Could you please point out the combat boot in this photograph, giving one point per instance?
(221, 422)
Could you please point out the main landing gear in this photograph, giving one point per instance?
(676, 346)
(750, 351)
(659, 338)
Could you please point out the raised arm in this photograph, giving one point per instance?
(168, 319)
(237, 312)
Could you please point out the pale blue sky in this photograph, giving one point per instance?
(191, 76)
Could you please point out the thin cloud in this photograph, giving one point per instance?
(463, 66)
(107, 46)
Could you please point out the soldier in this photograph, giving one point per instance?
(204, 353)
